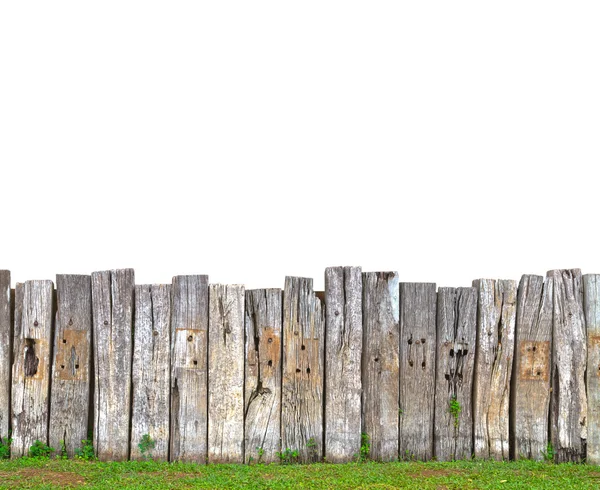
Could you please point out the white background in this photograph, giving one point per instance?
(253, 140)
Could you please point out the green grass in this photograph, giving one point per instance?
(46, 474)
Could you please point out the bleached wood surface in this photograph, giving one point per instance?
(591, 304)
(5, 353)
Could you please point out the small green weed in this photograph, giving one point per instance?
(288, 456)
(5, 448)
(260, 452)
(62, 452)
(146, 445)
(40, 449)
(86, 451)
(549, 453)
(365, 447)
(454, 409)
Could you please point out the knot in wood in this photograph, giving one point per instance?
(35, 323)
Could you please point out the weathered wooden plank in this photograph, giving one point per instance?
(568, 401)
(303, 370)
(456, 337)
(262, 426)
(591, 304)
(5, 353)
(531, 382)
(226, 374)
(71, 363)
(31, 368)
(112, 307)
(343, 330)
(417, 369)
(380, 363)
(151, 370)
(493, 366)
(189, 362)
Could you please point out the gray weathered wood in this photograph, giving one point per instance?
(343, 330)
(262, 426)
(226, 374)
(151, 370)
(31, 368)
(380, 363)
(71, 363)
(531, 382)
(493, 366)
(5, 353)
(591, 303)
(456, 336)
(417, 369)
(112, 307)
(189, 362)
(568, 402)
(303, 370)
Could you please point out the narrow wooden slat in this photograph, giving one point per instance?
(568, 402)
(531, 383)
(380, 363)
(71, 366)
(151, 371)
(31, 368)
(112, 307)
(5, 353)
(343, 328)
(493, 367)
(262, 426)
(456, 336)
(303, 370)
(591, 304)
(189, 362)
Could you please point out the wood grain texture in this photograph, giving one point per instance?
(151, 375)
(262, 426)
(5, 353)
(71, 363)
(456, 337)
(568, 402)
(591, 306)
(531, 377)
(380, 363)
(112, 307)
(303, 370)
(31, 368)
(189, 363)
(496, 319)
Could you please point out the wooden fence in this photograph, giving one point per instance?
(214, 373)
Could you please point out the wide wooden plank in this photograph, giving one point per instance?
(31, 368)
(343, 329)
(493, 367)
(5, 353)
(189, 362)
(456, 338)
(380, 363)
(591, 306)
(226, 374)
(262, 426)
(568, 403)
(151, 371)
(71, 363)
(303, 370)
(531, 383)
(112, 307)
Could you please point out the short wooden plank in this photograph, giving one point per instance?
(418, 302)
(71, 363)
(31, 368)
(531, 382)
(189, 362)
(456, 339)
(591, 305)
(5, 353)
(568, 403)
(380, 363)
(151, 371)
(303, 370)
(344, 336)
(226, 374)
(112, 307)
(262, 426)
(493, 367)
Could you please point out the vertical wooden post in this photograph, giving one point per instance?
(303, 370)
(31, 368)
(71, 366)
(262, 427)
(591, 303)
(151, 370)
(380, 363)
(112, 306)
(531, 382)
(456, 335)
(5, 353)
(493, 366)
(189, 363)
(568, 402)
(344, 337)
